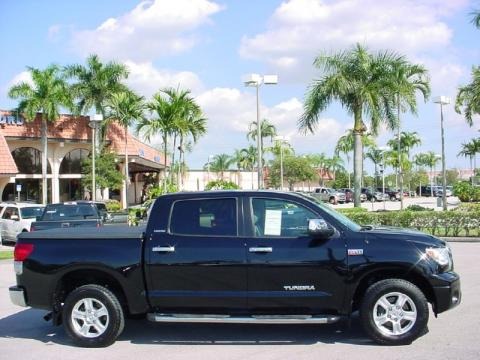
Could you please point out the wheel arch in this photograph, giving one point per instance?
(391, 273)
(79, 277)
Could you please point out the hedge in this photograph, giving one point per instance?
(440, 223)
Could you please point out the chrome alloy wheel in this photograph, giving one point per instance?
(89, 318)
(394, 314)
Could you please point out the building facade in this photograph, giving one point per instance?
(69, 143)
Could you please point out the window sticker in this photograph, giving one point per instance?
(273, 222)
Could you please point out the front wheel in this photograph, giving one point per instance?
(394, 312)
(93, 316)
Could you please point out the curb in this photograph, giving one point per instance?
(461, 239)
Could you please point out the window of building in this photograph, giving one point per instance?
(204, 217)
(279, 218)
(29, 160)
(72, 162)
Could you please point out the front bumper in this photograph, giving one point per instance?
(449, 294)
(17, 296)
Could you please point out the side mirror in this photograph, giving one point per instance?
(318, 228)
(14, 217)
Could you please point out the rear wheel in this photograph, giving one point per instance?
(394, 312)
(332, 200)
(93, 316)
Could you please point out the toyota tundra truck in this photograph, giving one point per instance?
(236, 257)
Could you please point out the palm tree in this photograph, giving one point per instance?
(363, 84)
(376, 156)
(471, 149)
(468, 97)
(161, 122)
(267, 130)
(420, 160)
(408, 79)
(249, 160)
(476, 18)
(318, 162)
(402, 145)
(431, 159)
(47, 93)
(95, 84)
(334, 164)
(345, 145)
(125, 108)
(221, 163)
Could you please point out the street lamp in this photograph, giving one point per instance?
(256, 80)
(95, 120)
(443, 100)
(281, 139)
(383, 149)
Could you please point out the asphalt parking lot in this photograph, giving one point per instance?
(454, 335)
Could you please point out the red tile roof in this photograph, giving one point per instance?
(71, 127)
(7, 164)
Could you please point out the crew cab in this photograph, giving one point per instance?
(238, 257)
(329, 195)
(68, 215)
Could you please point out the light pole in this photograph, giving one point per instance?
(443, 100)
(281, 139)
(256, 80)
(383, 149)
(95, 120)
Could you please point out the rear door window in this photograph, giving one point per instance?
(205, 217)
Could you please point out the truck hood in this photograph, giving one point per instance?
(403, 234)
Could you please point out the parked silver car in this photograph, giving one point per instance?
(328, 194)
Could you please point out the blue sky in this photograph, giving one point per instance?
(208, 45)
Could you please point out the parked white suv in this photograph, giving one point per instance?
(16, 218)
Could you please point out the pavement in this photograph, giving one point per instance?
(23, 333)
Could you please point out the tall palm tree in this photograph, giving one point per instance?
(431, 159)
(126, 108)
(420, 160)
(46, 95)
(249, 160)
(402, 145)
(363, 83)
(468, 97)
(267, 130)
(95, 83)
(221, 163)
(345, 145)
(376, 156)
(476, 18)
(334, 164)
(471, 149)
(408, 79)
(161, 122)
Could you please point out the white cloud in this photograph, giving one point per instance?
(24, 76)
(145, 79)
(299, 29)
(153, 28)
(54, 32)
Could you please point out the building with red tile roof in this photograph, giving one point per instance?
(69, 141)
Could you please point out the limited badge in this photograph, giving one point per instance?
(355, 252)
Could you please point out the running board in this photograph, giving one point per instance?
(254, 319)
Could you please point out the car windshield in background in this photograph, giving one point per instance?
(338, 216)
(31, 212)
(69, 212)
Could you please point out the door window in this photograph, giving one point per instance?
(279, 218)
(206, 217)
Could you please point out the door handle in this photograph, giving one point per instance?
(163, 248)
(260, 249)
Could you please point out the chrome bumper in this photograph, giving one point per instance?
(17, 296)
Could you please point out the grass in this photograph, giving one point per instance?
(5, 255)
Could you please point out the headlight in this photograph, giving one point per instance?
(441, 256)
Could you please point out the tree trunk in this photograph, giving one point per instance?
(44, 160)
(180, 159)
(358, 131)
(165, 138)
(172, 173)
(400, 170)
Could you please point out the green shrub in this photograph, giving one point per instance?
(113, 205)
(221, 185)
(466, 192)
(440, 223)
(417, 208)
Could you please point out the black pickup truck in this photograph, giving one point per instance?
(239, 257)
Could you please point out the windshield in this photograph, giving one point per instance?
(335, 214)
(31, 212)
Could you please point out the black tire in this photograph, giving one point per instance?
(332, 201)
(408, 330)
(102, 299)
(393, 198)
